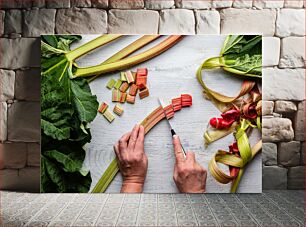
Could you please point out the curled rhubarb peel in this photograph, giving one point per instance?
(240, 55)
(148, 123)
(129, 61)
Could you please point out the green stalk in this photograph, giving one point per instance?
(131, 48)
(128, 62)
(92, 45)
(107, 177)
(255, 150)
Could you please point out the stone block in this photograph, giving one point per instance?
(242, 4)
(20, 53)
(303, 160)
(285, 106)
(159, 4)
(222, 4)
(277, 129)
(261, 4)
(38, 3)
(299, 122)
(55, 4)
(15, 4)
(80, 3)
(292, 52)
(177, 21)
(191, 4)
(23, 180)
(267, 107)
(276, 86)
(274, 177)
(2, 15)
(138, 22)
(126, 4)
(269, 154)
(38, 21)
(208, 22)
(81, 21)
(270, 51)
(13, 21)
(289, 153)
(27, 85)
(100, 4)
(296, 176)
(33, 158)
(7, 81)
(13, 155)
(293, 4)
(24, 122)
(290, 22)
(248, 21)
(3, 121)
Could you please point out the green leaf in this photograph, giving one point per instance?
(55, 174)
(85, 103)
(71, 162)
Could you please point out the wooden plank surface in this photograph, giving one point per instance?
(170, 74)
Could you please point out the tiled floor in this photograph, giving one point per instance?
(271, 208)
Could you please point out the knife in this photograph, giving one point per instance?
(171, 128)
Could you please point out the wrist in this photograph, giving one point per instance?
(131, 187)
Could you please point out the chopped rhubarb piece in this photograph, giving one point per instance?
(109, 116)
(169, 111)
(122, 76)
(116, 95)
(129, 77)
(144, 93)
(142, 72)
(186, 100)
(124, 86)
(118, 110)
(122, 97)
(130, 99)
(141, 78)
(110, 84)
(103, 107)
(134, 75)
(118, 84)
(133, 90)
(177, 104)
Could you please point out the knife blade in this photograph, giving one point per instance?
(171, 128)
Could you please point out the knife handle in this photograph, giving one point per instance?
(173, 132)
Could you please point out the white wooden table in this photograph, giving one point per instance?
(170, 74)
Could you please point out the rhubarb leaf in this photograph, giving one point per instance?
(67, 106)
(85, 103)
(71, 162)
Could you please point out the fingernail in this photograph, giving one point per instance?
(175, 136)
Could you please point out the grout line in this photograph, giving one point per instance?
(213, 214)
(102, 207)
(117, 219)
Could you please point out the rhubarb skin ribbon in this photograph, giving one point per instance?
(251, 110)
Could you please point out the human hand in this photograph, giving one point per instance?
(188, 176)
(133, 162)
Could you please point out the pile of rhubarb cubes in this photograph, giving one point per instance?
(124, 90)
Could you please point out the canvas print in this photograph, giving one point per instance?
(151, 113)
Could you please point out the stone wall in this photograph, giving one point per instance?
(282, 22)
